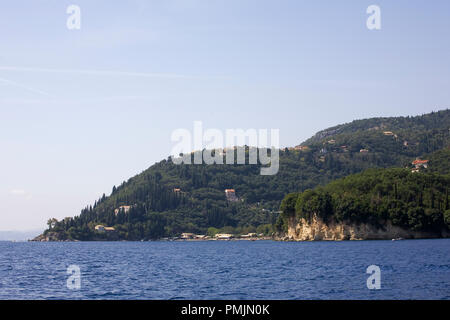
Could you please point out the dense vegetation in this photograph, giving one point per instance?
(439, 162)
(201, 206)
(414, 201)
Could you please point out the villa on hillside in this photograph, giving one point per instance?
(231, 195)
(299, 148)
(363, 151)
(420, 163)
(124, 209)
(101, 228)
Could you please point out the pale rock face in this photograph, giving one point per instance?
(317, 229)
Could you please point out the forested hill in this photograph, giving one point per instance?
(412, 129)
(439, 162)
(412, 201)
(168, 199)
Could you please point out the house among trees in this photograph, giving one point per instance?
(177, 190)
(101, 228)
(420, 163)
(231, 195)
(300, 148)
(187, 236)
(388, 133)
(363, 151)
(125, 209)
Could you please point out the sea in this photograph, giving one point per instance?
(226, 270)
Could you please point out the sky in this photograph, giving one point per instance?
(84, 109)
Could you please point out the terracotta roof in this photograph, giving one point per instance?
(419, 161)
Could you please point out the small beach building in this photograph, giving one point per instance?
(224, 236)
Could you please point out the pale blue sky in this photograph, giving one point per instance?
(83, 110)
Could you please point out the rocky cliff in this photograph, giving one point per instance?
(317, 229)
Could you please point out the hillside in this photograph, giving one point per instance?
(422, 131)
(168, 199)
(439, 162)
(376, 198)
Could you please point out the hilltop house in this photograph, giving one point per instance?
(363, 151)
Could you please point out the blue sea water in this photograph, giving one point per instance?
(410, 269)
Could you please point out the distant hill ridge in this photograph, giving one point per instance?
(423, 123)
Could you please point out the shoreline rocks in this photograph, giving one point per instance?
(318, 230)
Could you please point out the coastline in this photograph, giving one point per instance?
(274, 238)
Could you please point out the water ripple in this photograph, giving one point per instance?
(411, 269)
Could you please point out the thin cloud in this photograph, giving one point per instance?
(98, 72)
(20, 193)
(31, 89)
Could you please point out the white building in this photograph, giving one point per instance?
(224, 236)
